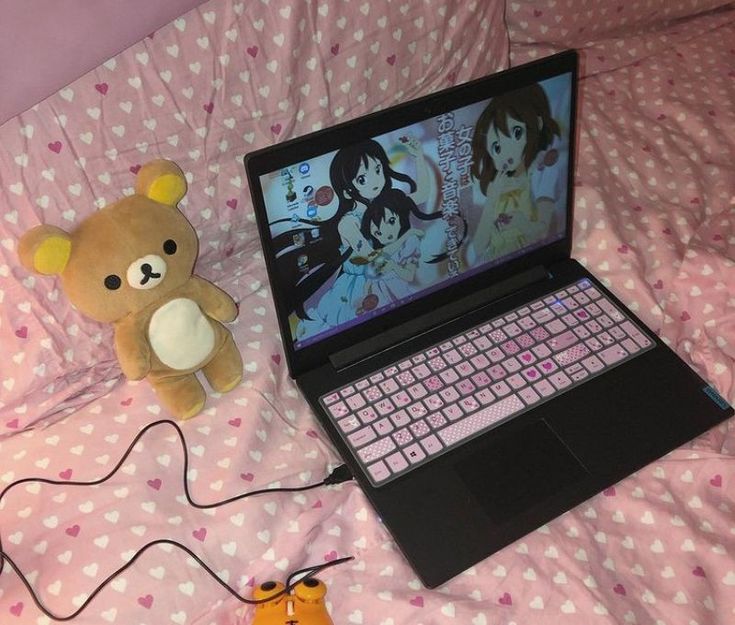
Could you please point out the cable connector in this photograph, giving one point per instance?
(341, 474)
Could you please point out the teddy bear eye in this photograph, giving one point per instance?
(113, 282)
(169, 246)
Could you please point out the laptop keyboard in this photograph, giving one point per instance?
(403, 416)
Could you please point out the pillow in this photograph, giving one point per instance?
(45, 45)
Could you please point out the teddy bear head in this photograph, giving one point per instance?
(126, 256)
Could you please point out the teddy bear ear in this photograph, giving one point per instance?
(45, 249)
(162, 181)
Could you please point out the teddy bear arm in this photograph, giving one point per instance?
(133, 352)
(214, 301)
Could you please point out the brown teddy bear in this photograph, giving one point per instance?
(130, 264)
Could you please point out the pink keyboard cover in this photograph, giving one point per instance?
(403, 416)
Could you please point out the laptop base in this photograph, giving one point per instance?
(495, 489)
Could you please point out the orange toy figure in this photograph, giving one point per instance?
(303, 606)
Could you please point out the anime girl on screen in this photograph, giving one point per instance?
(386, 224)
(520, 166)
(359, 174)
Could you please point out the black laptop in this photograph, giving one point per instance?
(477, 380)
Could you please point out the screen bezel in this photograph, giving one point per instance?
(291, 152)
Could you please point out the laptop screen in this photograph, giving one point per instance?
(379, 223)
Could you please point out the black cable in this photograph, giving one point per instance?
(337, 476)
(311, 572)
(340, 471)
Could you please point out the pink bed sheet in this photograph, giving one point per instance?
(654, 219)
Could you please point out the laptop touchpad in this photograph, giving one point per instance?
(512, 473)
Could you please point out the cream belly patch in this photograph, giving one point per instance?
(180, 334)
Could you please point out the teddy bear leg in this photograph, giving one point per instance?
(224, 371)
(183, 396)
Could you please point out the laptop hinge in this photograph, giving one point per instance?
(429, 321)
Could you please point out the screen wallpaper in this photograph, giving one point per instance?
(362, 230)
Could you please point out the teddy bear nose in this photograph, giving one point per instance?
(146, 272)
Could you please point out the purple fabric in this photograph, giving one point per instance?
(46, 44)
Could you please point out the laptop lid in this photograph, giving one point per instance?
(368, 224)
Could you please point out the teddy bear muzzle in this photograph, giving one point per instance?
(146, 272)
